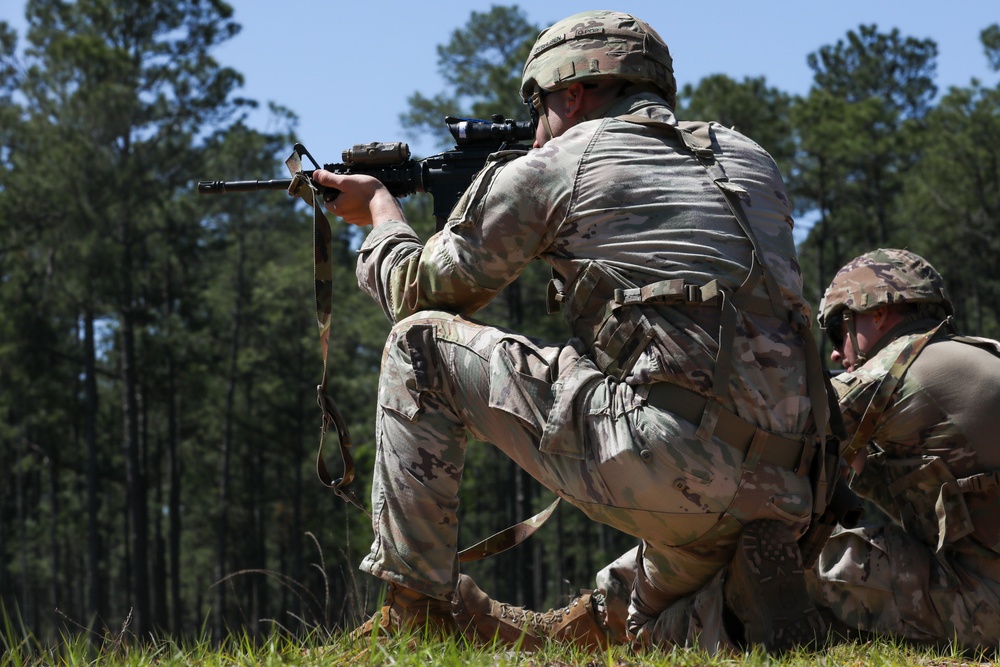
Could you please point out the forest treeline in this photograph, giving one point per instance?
(159, 354)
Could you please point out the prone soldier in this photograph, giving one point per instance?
(921, 401)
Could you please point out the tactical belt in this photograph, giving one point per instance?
(752, 441)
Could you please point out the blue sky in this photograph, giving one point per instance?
(347, 68)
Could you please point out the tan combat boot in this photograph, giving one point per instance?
(766, 590)
(484, 620)
(407, 611)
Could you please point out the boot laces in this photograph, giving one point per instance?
(540, 622)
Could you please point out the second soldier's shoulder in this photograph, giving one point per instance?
(874, 369)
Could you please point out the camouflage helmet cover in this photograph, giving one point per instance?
(596, 44)
(881, 277)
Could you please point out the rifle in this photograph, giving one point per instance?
(445, 175)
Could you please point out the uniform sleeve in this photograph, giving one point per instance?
(501, 223)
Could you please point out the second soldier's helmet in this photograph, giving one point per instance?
(880, 277)
(598, 44)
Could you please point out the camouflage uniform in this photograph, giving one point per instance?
(931, 570)
(614, 205)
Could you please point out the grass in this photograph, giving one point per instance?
(84, 648)
(323, 649)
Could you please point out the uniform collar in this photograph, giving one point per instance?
(641, 104)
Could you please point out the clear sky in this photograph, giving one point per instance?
(346, 68)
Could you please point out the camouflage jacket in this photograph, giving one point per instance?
(630, 204)
(934, 448)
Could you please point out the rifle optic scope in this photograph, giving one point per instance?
(499, 129)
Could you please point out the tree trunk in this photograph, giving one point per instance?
(27, 600)
(174, 501)
(227, 434)
(173, 545)
(134, 478)
(161, 614)
(95, 591)
(297, 556)
(56, 566)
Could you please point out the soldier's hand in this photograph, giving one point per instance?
(363, 200)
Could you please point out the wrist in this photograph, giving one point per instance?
(384, 207)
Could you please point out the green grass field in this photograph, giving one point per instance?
(338, 649)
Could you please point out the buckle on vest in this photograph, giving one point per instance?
(628, 297)
(554, 297)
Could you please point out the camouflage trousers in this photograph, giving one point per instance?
(695, 620)
(873, 579)
(585, 436)
(880, 579)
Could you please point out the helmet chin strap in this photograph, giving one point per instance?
(543, 117)
(852, 331)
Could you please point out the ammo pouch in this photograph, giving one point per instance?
(617, 321)
(615, 336)
(933, 506)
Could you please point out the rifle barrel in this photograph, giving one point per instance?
(222, 187)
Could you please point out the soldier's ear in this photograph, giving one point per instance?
(574, 100)
(882, 319)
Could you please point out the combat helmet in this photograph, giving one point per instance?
(595, 44)
(877, 278)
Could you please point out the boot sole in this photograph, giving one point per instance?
(776, 609)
